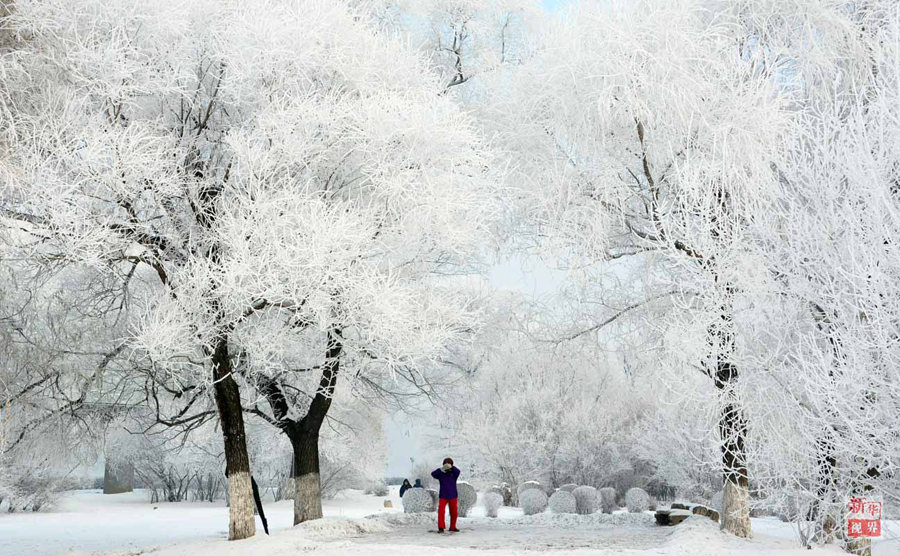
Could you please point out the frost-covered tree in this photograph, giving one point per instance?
(291, 186)
(522, 415)
(650, 138)
(826, 322)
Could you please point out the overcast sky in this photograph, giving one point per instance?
(407, 435)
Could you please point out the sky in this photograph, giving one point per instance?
(408, 437)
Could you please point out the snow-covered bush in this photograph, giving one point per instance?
(608, 500)
(533, 501)
(492, 502)
(527, 485)
(562, 502)
(569, 487)
(417, 500)
(377, 489)
(586, 500)
(637, 500)
(467, 497)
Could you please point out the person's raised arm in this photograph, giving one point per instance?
(436, 473)
(455, 471)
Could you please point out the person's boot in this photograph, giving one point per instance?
(454, 530)
(440, 530)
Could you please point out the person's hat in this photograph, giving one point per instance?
(448, 460)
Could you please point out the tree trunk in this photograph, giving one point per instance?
(735, 516)
(306, 475)
(241, 524)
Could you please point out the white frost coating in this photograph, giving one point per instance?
(467, 497)
(716, 502)
(586, 500)
(637, 500)
(533, 501)
(492, 502)
(569, 487)
(562, 502)
(608, 500)
(417, 500)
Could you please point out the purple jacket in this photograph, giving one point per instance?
(448, 482)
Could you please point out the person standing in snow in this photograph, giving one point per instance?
(404, 487)
(418, 484)
(447, 475)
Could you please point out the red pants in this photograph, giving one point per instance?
(441, 505)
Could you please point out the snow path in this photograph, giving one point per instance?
(502, 535)
(90, 523)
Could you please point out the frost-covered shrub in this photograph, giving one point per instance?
(586, 500)
(377, 489)
(562, 502)
(435, 499)
(716, 502)
(417, 500)
(568, 487)
(637, 500)
(492, 502)
(608, 500)
(533, 501)
(467, 497)
(527, 485)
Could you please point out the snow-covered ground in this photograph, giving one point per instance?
(89, 522)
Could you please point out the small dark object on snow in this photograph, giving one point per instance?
(670, 517)
(259, 508)
(680, 506)
(714, 515)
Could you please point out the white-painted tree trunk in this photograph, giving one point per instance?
(241, 523)
(307, 498)
(736, 509)
(859, 547)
